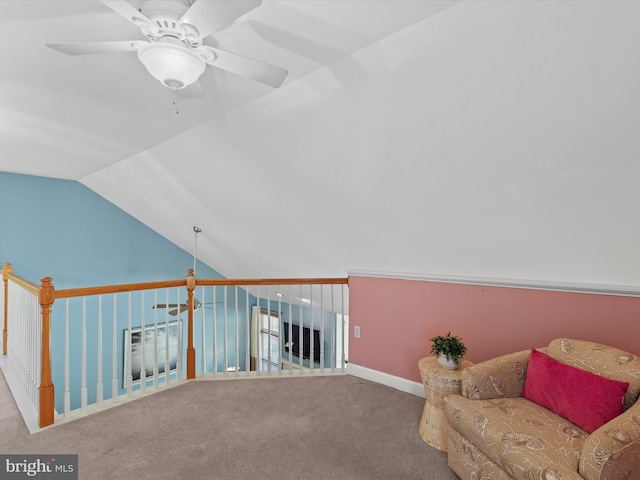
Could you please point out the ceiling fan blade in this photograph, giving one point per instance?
(168, 305)
(132, 14)
(183, 308)
(247, 67)
(86, 48)
(208, 16)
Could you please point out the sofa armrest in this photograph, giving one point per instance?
(613, 450)
(499, 377)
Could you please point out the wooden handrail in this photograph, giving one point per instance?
(128, 287)
(26, 284)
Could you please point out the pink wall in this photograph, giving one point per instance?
(397, 318)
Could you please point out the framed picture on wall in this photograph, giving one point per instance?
(165, 340)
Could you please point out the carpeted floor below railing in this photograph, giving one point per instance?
(319, 428)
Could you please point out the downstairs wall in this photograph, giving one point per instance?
(62, 229)
(397, 317)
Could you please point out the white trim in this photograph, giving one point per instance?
(399, 383)
(29, 414)
(593, 288)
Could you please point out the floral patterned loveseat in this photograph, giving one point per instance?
(496, 434)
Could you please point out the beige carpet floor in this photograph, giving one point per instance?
(319, 428)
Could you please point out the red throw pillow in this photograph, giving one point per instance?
(586, 399)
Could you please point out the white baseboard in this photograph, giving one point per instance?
(399, 383)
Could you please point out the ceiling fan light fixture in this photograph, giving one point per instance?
(173, 65)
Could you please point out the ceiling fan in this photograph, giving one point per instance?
(178, 308)
(174, 51)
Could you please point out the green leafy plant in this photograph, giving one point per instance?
(449, 346)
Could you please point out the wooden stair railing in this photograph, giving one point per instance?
(48, 295)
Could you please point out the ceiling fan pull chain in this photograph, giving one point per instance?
(175, 98)
(196, 231)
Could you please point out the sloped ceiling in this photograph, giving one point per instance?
(485, 139)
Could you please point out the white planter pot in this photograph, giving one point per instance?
(447, 362)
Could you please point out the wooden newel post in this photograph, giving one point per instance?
(6, 271)
(47, 298)
(191, 351)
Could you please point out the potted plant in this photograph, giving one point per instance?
(449, 350)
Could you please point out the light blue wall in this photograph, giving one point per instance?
(62, 229)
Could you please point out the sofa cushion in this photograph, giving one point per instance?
(585, 398)
(501, 377)
(468, 461)
(523, 438)
(602, 360)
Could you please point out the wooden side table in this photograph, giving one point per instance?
(438, 383)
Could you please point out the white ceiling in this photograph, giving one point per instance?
(70, 116)
(480, 138)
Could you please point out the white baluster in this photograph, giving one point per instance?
(280, 336)
(321, 329)
(247, 360)
(311, 333)
(301, 335)
(166, 341)
(225, 346)
(143, 342)
(67, 393)
(28, 321)
(83, 390)
(155, 341)
(180, 351)
(258, 327)
(343, 364)
(114, 351)
(37, 345)
(269, 366)
(214, 360)
(28, 347)
(237, 364)
(128, 352)
(333, 333)
(99, 387)
(203, 350)
(290, 332)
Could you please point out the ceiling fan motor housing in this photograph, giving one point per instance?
(169, 57)
(165, 16)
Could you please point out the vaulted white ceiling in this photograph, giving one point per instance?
(480, 138)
